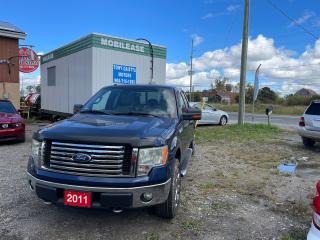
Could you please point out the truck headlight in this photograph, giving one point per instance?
(151, 157)
(36, 151)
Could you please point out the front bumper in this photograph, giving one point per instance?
(303, 132)
(314, 233)
(103, 197)
(12, 134)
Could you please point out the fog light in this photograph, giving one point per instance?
(31, 187)
(146, 197)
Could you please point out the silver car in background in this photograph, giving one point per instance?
(211, 115)
(309, 125)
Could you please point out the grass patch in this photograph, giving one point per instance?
(190, 225)
(297, 234)
(153, 236)
(219, 205)
(236, 133)
(207, 186)
(261, 108)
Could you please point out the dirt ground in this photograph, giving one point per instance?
(232, 191)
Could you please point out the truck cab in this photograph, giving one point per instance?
(127, 147)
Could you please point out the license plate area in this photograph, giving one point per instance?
(77, 199)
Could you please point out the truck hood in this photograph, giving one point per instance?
(9, 118)
(94, 128)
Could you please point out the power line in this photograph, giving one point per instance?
(292, 20)
(281, 84)
(301, 65)
(226, 40)
(266, 68)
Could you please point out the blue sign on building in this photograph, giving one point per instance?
(124, 74)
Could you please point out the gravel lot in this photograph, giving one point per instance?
(232, 191)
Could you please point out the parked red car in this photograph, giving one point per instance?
(12, 126)
(314, 232)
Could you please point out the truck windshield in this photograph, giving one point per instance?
(134, 100)
(7, 107)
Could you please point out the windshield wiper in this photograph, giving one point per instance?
(95, 112)
(136, 114)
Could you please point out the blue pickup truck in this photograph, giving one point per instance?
(127, 147)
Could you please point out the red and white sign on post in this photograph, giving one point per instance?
(28, 60)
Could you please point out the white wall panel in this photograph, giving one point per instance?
(73, 82)
(103, 60)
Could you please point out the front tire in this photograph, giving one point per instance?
(307, 142)
(169, 208)
(223, 121)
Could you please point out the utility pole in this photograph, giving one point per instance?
(244, 54)
(191, 70)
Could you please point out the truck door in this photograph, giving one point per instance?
(181, 131)
(190, 124)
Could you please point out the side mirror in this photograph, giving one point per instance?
(77, 108)
(192, 114)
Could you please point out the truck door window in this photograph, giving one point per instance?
(182, 103)
(185, 99)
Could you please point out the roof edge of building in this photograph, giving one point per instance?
(50, 55)
(12, 34)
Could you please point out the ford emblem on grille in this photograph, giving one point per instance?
(81, 157)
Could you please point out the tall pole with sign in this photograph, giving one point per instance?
(28, 62)
(151, 54)
(244, 53)
(191, 69)
(255, 90)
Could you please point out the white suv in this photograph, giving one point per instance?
(309, 125)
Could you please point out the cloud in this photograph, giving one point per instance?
(197, 40)
(316, 23)
(306, 16)
(229, 10)
(208, 15)
(26, 80)
(233, 8)
(281, 69)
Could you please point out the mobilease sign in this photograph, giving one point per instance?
(124, 74)
(122, 44)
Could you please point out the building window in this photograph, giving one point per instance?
(51, 73)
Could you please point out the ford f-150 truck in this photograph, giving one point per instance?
(127, 147)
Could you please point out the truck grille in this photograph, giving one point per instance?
(106, 161)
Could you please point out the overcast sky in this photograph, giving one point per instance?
(289, 56)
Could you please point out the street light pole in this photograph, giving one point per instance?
(191, 70)
(244, 53)
(151, 53)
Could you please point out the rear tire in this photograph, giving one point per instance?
(308, 142)
(169, 208)
(223, 121)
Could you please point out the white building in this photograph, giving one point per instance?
(73, 73)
